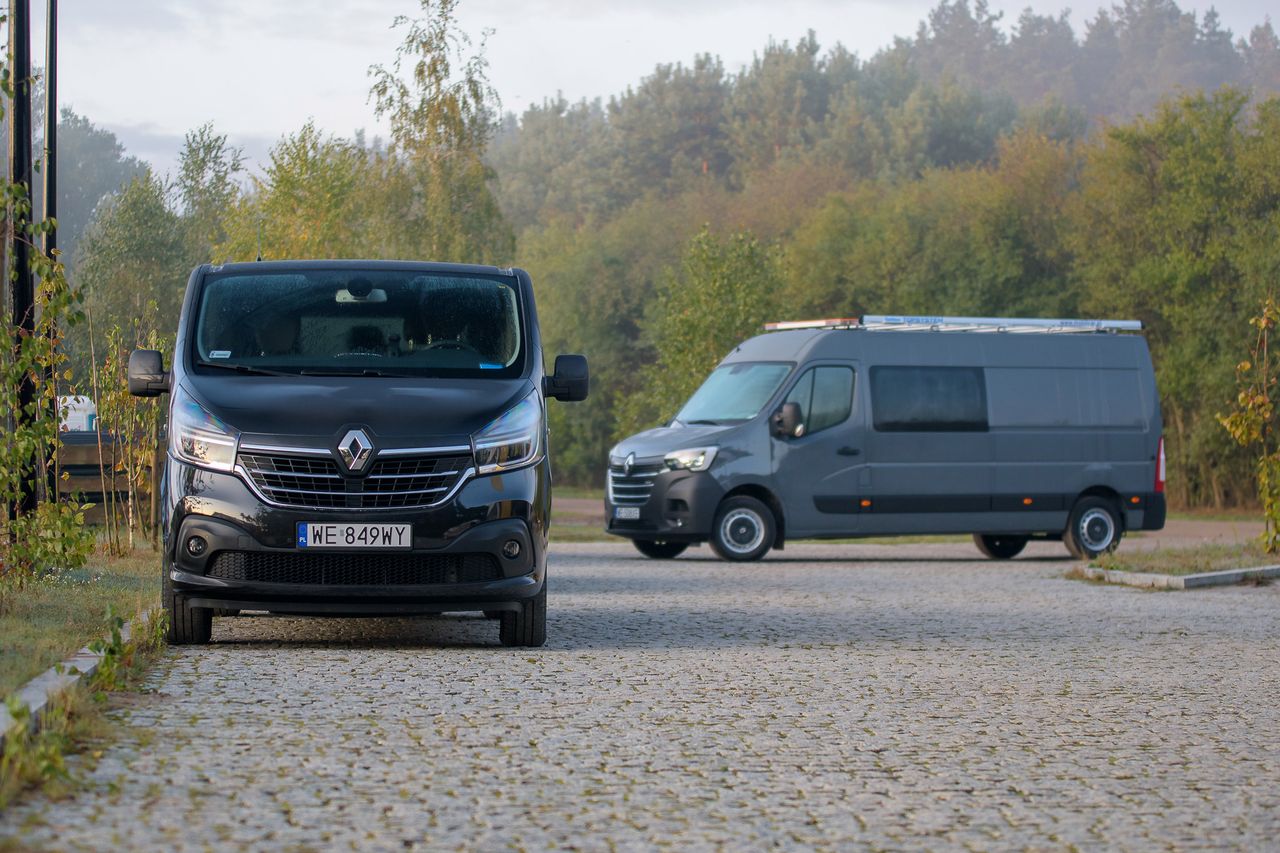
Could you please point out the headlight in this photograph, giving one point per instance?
(693, 459)
(511, 441)
(198, 437)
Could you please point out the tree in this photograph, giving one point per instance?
(724, 291)
(92, 166)
(442, 117)
(1176, 225)
(135, 253)
(207, 186)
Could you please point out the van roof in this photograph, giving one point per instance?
(356, 265)
(915, 347)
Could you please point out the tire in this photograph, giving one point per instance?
(999, 546)
(188, 626)
(528, 625)
(1094, 528)
(659, 549)
(744, 529)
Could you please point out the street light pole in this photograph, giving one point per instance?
(51, 203)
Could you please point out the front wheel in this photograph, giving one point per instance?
(1000, 547)
(528, 625)
(658, 549)
(1093, 529)
(744, 529)
(187, 625)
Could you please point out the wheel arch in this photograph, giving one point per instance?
(769, 499)
(1107, 494)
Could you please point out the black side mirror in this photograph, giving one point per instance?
(147, 376)
(785, 422)
(569, 382)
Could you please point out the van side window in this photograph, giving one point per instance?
(825, 397)
(928, 399)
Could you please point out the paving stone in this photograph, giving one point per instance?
(833, 697)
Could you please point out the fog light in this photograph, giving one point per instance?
(197, 546)
(511, 549)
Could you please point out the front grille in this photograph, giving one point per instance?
(355, 569)
(315, 482)
(632, 489)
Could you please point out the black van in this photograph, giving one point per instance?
(357, 437)
(1010, 429)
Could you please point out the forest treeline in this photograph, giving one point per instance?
(1129, 170)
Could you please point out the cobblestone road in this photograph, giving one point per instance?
(834, 696)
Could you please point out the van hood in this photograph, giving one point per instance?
(660, 441)
(405, 412)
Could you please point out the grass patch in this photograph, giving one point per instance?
(1211, 557)
(55, 617)
(568, 532)
(74, 721)
(1246, 516)
(578, 492)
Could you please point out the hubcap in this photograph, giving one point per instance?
(1097, 530)
(742, 531)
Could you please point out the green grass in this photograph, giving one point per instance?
(1189, 561)
(51, 619)
(1217, 515)
(578, 492)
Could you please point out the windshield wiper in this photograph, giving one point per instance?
(363, 371)
(704, 421)
(245, 369)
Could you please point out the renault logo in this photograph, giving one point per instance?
(355, 449)
(629, 464)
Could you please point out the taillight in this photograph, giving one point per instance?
(1160, 466)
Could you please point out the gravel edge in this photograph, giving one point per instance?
(1150, 580)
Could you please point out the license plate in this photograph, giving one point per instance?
(382, 537)
(626, 513)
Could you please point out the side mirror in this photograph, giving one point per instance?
(785, 422)
(147, 376)
(569, 382)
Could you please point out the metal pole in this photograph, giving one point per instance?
(20, 162)
(51, 204)
(51, 127)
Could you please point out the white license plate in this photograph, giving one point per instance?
(626, 513)
(381, 537)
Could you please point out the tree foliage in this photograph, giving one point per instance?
(979, 166)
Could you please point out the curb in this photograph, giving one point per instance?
(1196, 581)
(39, 691)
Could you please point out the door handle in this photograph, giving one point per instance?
(848, 451)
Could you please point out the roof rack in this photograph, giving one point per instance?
(1012, 325)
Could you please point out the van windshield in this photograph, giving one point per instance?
(362, 323)
(734, 393)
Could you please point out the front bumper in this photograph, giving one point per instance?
(250, 559)
(680, 508)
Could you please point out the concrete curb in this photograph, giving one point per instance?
(37, 693)
(1203, 579)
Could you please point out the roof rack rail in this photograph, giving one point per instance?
(1011, 325)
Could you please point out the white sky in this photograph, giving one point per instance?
(150, 70)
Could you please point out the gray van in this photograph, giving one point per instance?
(1008, 429)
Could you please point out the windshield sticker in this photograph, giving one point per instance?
(484, 366)
(220, 353)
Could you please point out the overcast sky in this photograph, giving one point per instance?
(152, 69)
